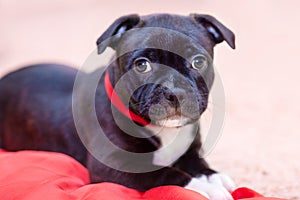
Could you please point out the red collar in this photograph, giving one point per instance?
(117, 102)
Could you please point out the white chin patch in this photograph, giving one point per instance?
(173, 122)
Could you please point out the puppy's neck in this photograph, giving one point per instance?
(174, 142)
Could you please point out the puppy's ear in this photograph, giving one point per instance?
(216, 29)
(116, 29)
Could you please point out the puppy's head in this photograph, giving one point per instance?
(168, 62)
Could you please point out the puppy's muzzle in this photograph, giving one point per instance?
(174, 97)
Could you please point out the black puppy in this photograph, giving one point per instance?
(168, 78)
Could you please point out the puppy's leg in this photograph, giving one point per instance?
(142, 181)
(163, 177)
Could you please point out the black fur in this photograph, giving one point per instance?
(36, 102)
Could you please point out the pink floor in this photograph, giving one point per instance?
(260, 145)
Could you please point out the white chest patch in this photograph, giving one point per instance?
(174, 143)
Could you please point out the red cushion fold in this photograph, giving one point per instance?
(36, 175)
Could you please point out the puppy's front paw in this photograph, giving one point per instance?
(221, 180)
(214, 187)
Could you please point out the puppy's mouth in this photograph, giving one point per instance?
(174, 121)
(168, 116)
(160, 109)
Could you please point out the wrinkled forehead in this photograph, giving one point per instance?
(164, 39)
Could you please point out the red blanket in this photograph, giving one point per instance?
(33, 175)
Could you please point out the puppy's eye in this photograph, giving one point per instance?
(199, 62)
(142, 65)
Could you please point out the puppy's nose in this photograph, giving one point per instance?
(175, 96)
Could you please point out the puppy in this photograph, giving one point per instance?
(167, 60)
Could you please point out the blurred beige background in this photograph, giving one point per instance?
(260, 145)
